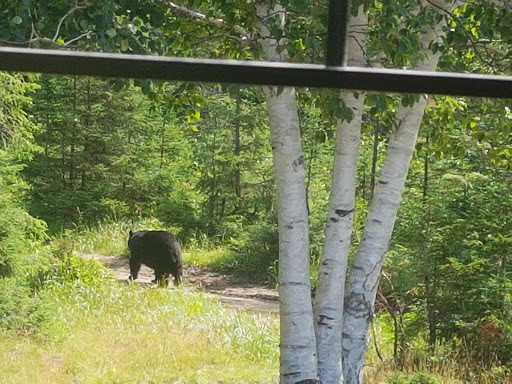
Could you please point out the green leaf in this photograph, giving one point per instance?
(17, 20)
(193, 116)
(111, 32)
(124, 45)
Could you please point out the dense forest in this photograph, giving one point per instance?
(82, 154)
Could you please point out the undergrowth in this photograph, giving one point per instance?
(68, 320)
(96, 329)
(416, 364)
(106, 238)
(238, 257)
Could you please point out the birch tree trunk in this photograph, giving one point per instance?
(328, 311)
(363, 280)
(297, 340)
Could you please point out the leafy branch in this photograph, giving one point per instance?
(474, 44)
(220, 23)
(36, 38)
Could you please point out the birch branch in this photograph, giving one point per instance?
(442, 7)
(220, 23)
(35, 38)
(69, 42)
(504, 4)
(59, 26)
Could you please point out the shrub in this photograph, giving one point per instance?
(416, 378)
(20, 309)
(257, 251)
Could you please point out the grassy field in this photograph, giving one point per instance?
(95, 329)
(112, 332)
(104, 331)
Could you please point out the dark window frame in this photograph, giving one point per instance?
(333, 75)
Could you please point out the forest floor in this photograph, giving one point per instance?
(235, 292)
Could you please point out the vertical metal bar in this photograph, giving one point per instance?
(337, 32)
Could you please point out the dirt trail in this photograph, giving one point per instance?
(232, 291)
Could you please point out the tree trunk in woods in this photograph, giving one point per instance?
(212, 199)
(49, 173)
(236, 139)
(430, 275)
(162, 143)
(375, 157)
(298, 349)
(328, 312)
(364, 275)
(74, 129)
(365, 272)
(63, 159)
(85, 134)
(297, 342)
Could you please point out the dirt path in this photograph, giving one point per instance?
(233, 291)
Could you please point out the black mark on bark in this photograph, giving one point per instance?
(297, 163)
(358, 306)
(321, 319)
(343, 212)
(277, 144)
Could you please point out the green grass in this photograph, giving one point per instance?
(110, 238)
(419, 366)
(96, 330)
(113, 332)
(217, 258)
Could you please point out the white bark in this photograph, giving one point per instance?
(328, 311)
(297, 340)
(364, 275)
(365, 272)
(298, 349)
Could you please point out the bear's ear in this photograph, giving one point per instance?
(130, 234)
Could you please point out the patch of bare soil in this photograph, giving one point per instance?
(233, 291)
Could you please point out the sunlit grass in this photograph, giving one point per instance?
(110, 332)
(109, 238)
(130, 334)
(217, 258)
(112, 238)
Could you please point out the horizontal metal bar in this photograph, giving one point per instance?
(252, 72)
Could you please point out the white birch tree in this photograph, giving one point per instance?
(328, 311)
(297, 338)
(340, 332)
(363, 280)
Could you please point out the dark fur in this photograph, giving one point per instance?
(158, 250)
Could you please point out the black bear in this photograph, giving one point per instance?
(158, 250)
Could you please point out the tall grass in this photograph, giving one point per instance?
(113, 332)
(97, 330)
(418, 365)
(106, 238)
(110, 238)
